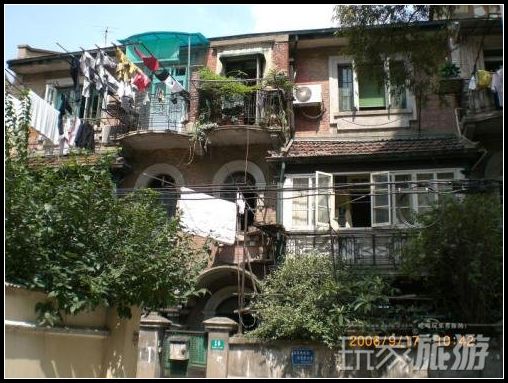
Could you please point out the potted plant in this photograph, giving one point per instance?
(449, 82)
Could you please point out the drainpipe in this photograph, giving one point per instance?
(280, 193)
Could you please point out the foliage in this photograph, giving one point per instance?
(459, 252)
(403, 38)
(67, 234)
(219, 85)
(306, 299)
(276, 79)
(449, 70)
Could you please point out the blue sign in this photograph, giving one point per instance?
(302, 357)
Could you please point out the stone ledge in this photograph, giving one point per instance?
(30, 327)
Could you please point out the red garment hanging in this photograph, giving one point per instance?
(141, 81)
(151, 62)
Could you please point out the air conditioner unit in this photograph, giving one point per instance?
(307, 94)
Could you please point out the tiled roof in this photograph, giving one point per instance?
(395, 147)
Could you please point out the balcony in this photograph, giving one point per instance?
(257, 118)
(355, 247)
(481, 117)
(154, 121)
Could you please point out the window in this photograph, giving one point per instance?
(493, 59)
(371, 90)
(93, 107)
(346, 201)
(363, 89)
(346, 87)
(302, 214)
(165, 185)
(311, 201)
(245, 184)
(416, 192)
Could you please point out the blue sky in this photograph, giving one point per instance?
(41, 26)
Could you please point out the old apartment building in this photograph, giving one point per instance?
(339, 165)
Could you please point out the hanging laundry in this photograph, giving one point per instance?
(484, 79)
(472, 82)
(197, 208)
(150, 62)
(125, 69)
(75, 64)
(126, 95)
(87, 62)
(85, 136)
(107, 61)
(497, 86)
(173, 85)
(141, 81)
(162, 75)
(44, 117)
(64, 108)
(240, 202)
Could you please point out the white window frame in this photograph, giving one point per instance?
(333, 63)
(330, 206)
(374, 192)
(288, 196)
(414, 205)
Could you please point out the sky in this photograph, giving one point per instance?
(75, 26)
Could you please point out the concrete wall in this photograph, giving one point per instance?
(91, 344)
(250, 358)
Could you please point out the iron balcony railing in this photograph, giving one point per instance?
(381, 248)
(264, 108)
(478, 100)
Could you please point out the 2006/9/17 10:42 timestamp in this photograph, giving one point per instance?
(408, 340)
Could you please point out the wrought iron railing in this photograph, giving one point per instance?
(265, 108)
(381, 248)
(149, 112)
(478, 100)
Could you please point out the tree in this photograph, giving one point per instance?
(67, 234)
(458, 254)
(376, 33)
(305, 300)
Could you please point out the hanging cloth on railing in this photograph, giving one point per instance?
(151, 62)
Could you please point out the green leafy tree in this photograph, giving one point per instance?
(377, 33)
(305, 299)
(68, 234)
(458, 255)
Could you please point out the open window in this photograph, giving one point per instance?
(324, 199)
(380, 199)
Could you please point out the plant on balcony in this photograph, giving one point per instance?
(216, 90)
(199, 136)
(449, 81)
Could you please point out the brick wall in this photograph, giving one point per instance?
(312, 68)
(211, 59)
(280, 56)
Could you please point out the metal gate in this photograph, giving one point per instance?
(184, 354)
